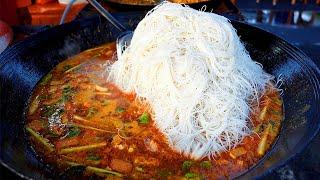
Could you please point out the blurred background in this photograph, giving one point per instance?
(296, 21)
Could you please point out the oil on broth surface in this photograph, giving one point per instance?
(77, 118)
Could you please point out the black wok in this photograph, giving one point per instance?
(22, 66)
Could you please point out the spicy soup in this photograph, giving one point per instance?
(76, 118)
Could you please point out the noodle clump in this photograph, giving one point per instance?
(196, 75)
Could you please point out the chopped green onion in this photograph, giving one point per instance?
(93, 157)
(102, 171)
(105, 102)
(263, 113)
(74, 131)
(46, 79)
(40, 139)
(262, 146)
(49, 110)
(120, 109)
(92, 111)
(67, 93)
(72, 163)
(186, 165)
(86, 123)
(52, 134)
(73, 68)
(206, 164)
(144, 118)
(34, 105)
(272, 123)
(277, 101)
(67, 89)
(95, 169)
(190, 175)
(67, 67)
(140, 169)
(92, 128)
(82, 148)
(163, 174)
(274, 112)
(45, 97)
(258, 128)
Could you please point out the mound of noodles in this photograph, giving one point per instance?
(196, 75)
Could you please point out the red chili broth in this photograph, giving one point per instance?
(75, 106)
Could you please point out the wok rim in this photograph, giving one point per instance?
(307, 62)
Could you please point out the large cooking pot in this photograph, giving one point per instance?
(22, 66)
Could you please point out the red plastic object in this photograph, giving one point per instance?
(43, 1)
(23, 3)
(51, 13)
(8, 12)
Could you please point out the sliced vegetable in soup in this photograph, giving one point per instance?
(76, 118)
